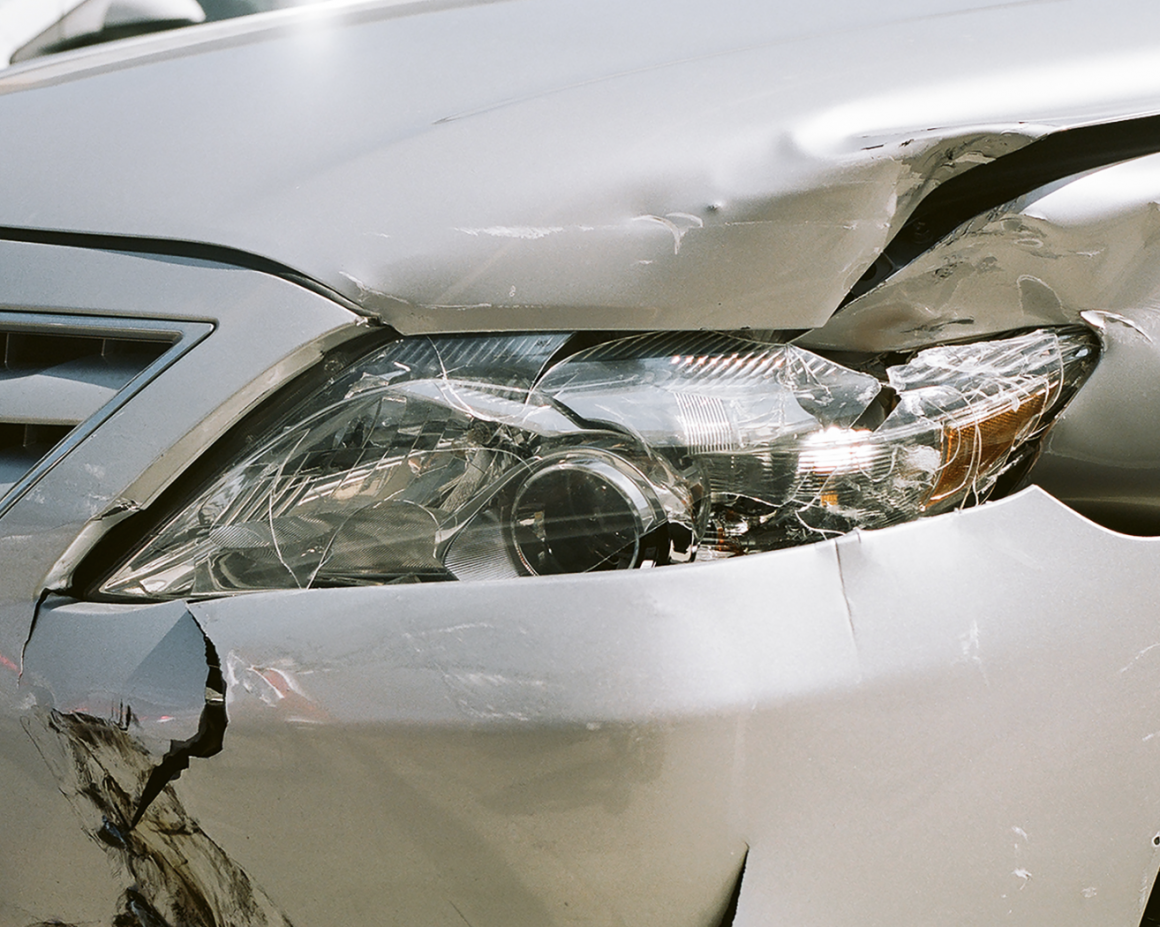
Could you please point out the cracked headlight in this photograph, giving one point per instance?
(462, 457)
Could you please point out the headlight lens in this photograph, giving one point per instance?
(487, 457)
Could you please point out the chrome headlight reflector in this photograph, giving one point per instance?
(475, 457)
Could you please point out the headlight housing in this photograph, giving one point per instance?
(476, 457)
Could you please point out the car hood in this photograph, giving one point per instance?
(536, 164)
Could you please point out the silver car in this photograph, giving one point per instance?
(535, 463)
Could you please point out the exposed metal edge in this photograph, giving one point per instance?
(1047, 159)
(184, 335)
(174, 247)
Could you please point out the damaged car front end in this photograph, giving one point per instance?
(510, 463)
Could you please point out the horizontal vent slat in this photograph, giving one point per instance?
(18, 460)
(66, 394)
(55, 377)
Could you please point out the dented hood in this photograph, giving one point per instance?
(537, 164)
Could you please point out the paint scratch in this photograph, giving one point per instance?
(678, 230)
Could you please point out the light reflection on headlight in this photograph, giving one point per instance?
(462, 457)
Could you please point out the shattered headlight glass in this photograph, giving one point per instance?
(480, 457)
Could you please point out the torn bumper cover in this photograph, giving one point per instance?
(517, 751)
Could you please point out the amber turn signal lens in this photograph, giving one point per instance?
(975, 448)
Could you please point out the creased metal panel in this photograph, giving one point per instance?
(1087, 250)
(739, 165)
(1086, 244)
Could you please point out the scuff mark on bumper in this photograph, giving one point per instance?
(173, 873)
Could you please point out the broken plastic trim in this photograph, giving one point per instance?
(205, 743)
(170, 870)
(988, 186)
(729, 915)
(1151, 915)
(474, 457)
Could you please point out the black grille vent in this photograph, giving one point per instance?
(55, 376)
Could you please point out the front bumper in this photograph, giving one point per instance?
(873, 720)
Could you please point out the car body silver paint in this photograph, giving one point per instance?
(142, 670)
(871, 717)
(744, 165)
(874, 718)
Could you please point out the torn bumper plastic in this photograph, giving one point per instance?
(514, 752)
